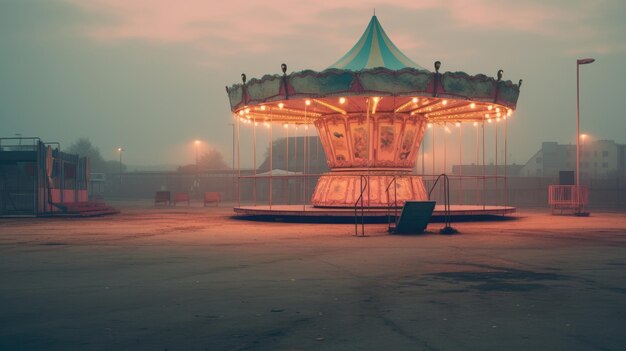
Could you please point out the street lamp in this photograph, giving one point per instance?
(197, 182)
(578, 136)
(120, 151)
(197, 143)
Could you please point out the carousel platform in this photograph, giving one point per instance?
(310, 213)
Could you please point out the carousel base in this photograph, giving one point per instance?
(307, 213)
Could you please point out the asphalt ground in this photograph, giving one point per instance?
(197, 279)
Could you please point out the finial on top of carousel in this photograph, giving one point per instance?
(500, 72)
(244, 92)
(519, 85)
(436, 82)
(283, 67)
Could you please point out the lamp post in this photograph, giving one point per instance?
(578, 63)
(120, 151)
(196, 183)
(233, 162)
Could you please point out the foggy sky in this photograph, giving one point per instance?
(149, 75)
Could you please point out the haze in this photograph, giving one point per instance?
(150, 75)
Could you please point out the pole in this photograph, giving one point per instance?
(121, 150)
(254, 149)
(233, 164)
(578, 63)
(577, 137)
(460, 166)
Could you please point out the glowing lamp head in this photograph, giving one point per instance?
(475, 124)
(307, 102)
(457, 124)
(342, 100)
(197, 142)
(376, 99)
(444, 102)
(119, 149)
(473, 105)
(262, 107)
(429, 125)
(415, 100)
(585, 61)
(490, 107)
(281, 105)
(241, 113)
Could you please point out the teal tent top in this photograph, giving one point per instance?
(373, 50)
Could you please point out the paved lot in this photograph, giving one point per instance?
(195, 279)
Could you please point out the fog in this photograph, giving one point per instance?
(149, 76)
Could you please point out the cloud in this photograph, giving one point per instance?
(236, 27)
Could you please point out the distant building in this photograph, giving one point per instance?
(291, 157)
(490, 169)
(598, 159)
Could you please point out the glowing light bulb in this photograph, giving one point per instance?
(497, 109)
(488, 121)
(256, 124)
(444, 102)
(281, 105)
(429, 125)
(509, 113)
(262, 107)
(307, 102)
(267, 125)
(376, 99)
(286, 125)
(241, 113)
(498, 119)
(247, 110)
(486, 115)
(473, 105)
(415, 100)
(475, 124)
(448, 129)
(342, 100)
(489, 107)
(458, 124)
(498, 114)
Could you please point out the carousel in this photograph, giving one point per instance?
(371, 110)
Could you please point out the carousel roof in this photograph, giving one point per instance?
(374, 75)
(374, 49)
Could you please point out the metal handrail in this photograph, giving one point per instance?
(446, 199)
(395, 203)
(360, 199)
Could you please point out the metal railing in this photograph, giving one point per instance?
(446, 197)
(568, 197)
(356, 203)
(395, 205)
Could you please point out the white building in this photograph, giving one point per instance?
(599, 159)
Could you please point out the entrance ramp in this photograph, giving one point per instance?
(414, 217)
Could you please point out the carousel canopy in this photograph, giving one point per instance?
(374, 49)
(374, 76)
